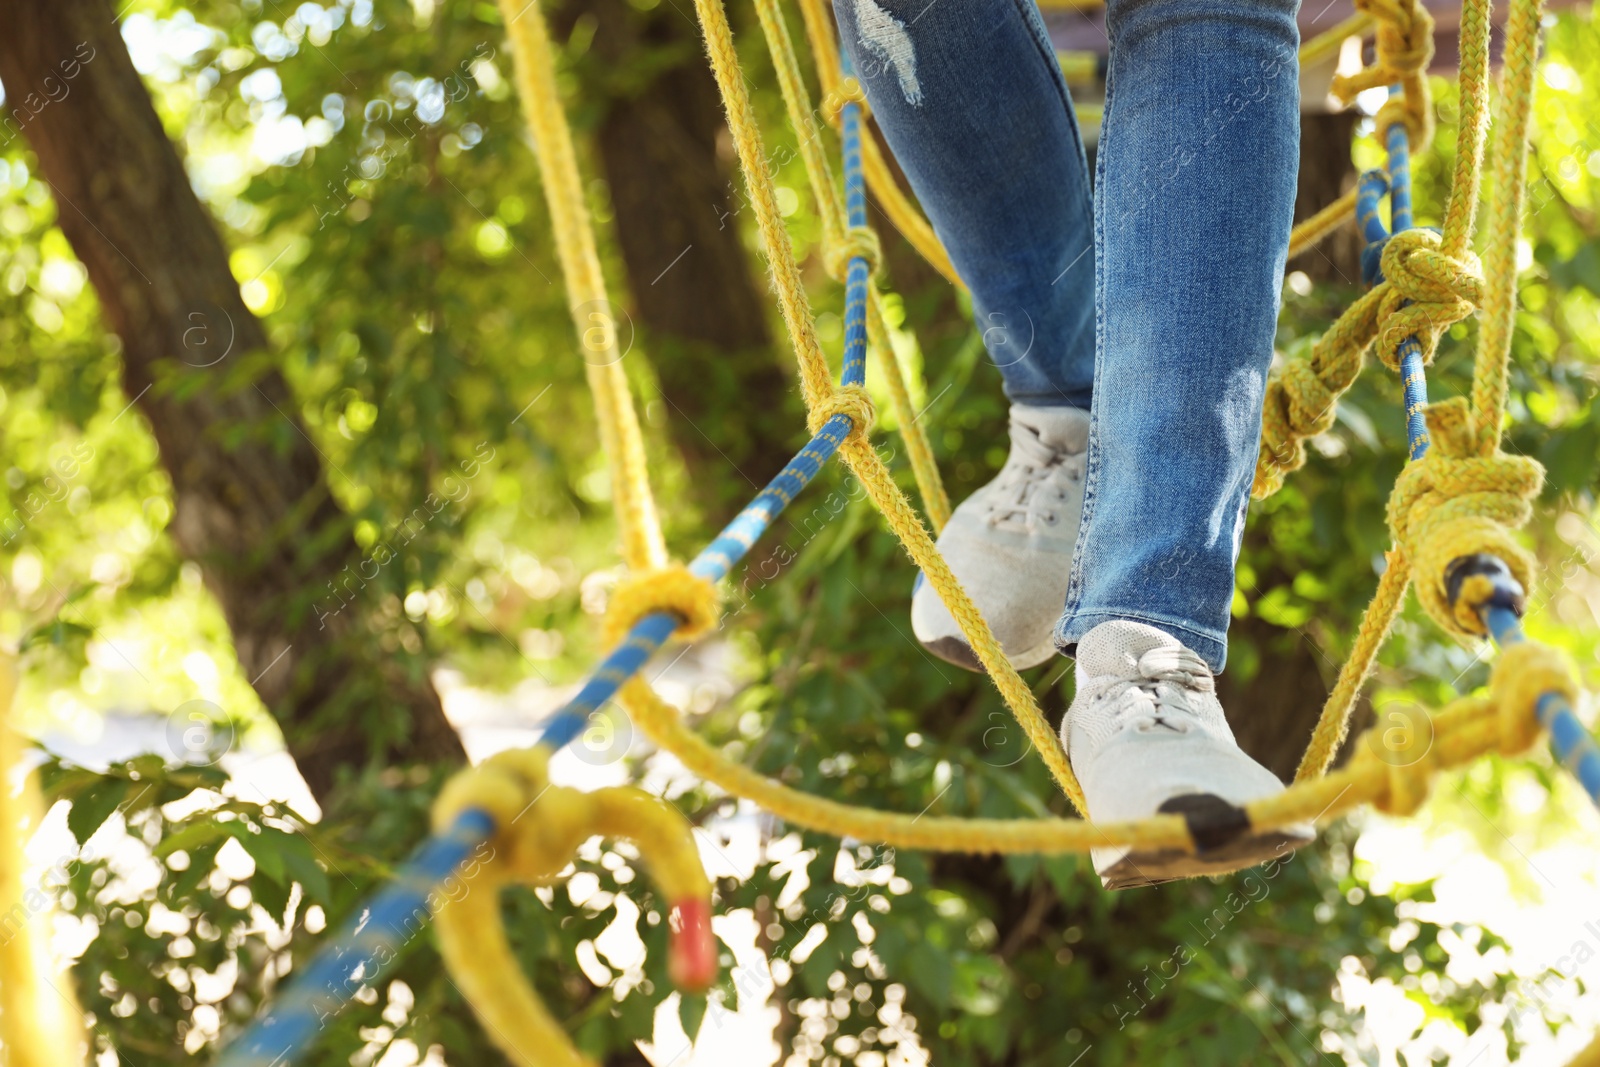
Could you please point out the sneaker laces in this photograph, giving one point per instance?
(1033, 485)
(1166, 678)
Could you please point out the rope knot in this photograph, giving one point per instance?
(1404, 50)
(506, 785)
(847, 91)
(1298, 405)
(675, 589)
(537, 829)
(1464, 496)
(1523, 672)
(1405, 776)
(858, 242)
(1428, 293)
(1302, 393)
(1398, 751)
(851, 400)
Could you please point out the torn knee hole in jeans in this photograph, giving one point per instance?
(886, 39)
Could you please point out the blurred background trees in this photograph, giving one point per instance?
(292, 485)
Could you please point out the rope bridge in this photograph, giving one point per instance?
(1451, 515)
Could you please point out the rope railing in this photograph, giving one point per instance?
(504, 822)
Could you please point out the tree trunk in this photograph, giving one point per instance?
(678, 219)
(252, 504)
(1326, 171)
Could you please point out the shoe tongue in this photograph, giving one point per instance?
(1063, 429)
(1114, 648)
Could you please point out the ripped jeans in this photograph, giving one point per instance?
(1175, 261)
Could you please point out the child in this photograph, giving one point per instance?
(1133, 330)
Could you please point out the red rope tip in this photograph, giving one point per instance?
(692, 959)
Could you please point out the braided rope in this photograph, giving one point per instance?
(1457, 500)
(856, 452)
(1461, 498)
(643, 547)
(841, 242)
(1300, 401)
(539, 827)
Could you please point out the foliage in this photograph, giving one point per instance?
(368, 164)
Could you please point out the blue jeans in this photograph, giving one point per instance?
(1179, 254)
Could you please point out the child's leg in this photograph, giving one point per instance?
(1196, 188)
(970, 98)
(1196, 185)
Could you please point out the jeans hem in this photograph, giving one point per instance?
(1052, 400)
(1210, 645)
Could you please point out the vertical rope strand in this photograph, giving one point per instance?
(1471, 132)
(1509, 162)
(831, 207)
(642, 544)
(857, 452)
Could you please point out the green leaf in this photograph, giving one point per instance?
(267, 849)
(193, 836)
(93, 806)
(300, 865)
(692, 1011)
(202, 861)
(930, 972)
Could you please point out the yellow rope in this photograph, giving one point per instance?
(903, 215)
(41, 1024)
(1333, 723)
(1589, 1057)
(1464, 730)
(857, 454)
(1455, 502)
(1509, 164)
(1330, 41)
(837, 243)
(1440, 278)
(1458, 500)
(1310, 232)
(642, 545)
(538, 827)
(1464, 495)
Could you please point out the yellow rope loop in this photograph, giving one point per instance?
(538, 827)
(1522, 674)
(1428, 292)
(675, 589)
(1302, 394)
(1589, 1057)
(1418, 121)
(1404, 50)
(847, 91)
(1298, 405)
(1455, 502)
(859, 242)
(851, 400)
(1404, 769)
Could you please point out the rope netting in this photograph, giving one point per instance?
(1451, 514)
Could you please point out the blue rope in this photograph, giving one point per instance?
(371, 939)
(1369, 191)
(1413, 374)
(1574, 746)
(855, 293)
(360, 952)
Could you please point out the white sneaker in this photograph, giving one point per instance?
(1010, 543)
(1146, 735)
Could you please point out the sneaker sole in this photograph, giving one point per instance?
(1221, 829)
(955, 651)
